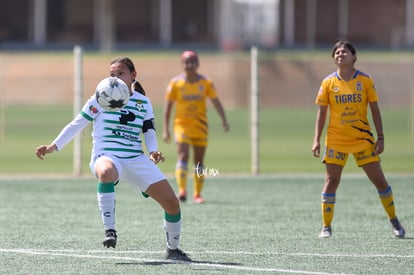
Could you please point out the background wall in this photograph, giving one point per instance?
(217, 24)
(289, 79)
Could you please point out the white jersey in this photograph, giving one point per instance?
(118, 133)
(114, 133)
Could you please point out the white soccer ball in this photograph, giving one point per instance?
(112, 94)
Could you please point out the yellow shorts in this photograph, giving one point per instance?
(331, 156)
(190, 137)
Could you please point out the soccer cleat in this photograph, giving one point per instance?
(182, 196)
(397, 228)
(177, 255)
(326, 232)
(198, 199)
(110, 238)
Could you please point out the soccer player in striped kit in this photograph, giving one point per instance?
(189, 92)
(118, 155)
(347, 93)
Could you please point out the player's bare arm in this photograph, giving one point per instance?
(166, 136)
(376, 117)
(319, 125)
(220, 110)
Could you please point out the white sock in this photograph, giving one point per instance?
(173, 231)
(106, 203)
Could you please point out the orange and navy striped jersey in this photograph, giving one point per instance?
(191, 101)
(348, 129)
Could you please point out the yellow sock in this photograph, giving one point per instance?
(198, 184)
(327, 206)
(181, 176)
(387, 200)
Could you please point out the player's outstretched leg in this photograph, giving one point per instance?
(387, 201)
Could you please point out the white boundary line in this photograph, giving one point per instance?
(299, 254)
(90, 254)
(85, 255)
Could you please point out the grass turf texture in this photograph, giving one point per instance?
(249, 225)
(286, 137)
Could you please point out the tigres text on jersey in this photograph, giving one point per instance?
(348, 129)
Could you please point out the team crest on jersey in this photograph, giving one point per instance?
(139, 105)
(200, 88)
(359, 86)
(336, 89)
(93, 109)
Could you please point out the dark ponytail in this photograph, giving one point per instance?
(138, 87)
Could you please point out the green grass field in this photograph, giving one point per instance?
(248, 225)
(286, 137)
(50, 223)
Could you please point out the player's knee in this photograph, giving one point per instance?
(106, 173)
(171, 205)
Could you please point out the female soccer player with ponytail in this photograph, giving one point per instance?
(117, 154)
(347, 93)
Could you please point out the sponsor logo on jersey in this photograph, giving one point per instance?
(126, 116)
(193, 97)
(139, 105)
(125, 128)
(93, 109)
(358, 86)
(125, 135)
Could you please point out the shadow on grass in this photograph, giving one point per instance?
(167, 262)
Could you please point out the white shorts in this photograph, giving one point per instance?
(140, 172)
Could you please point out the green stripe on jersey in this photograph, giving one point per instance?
(140, 100)
(120, 138)
(144, 111)
(116, 122)
(121, 143)
(130, 157)
(85, 115)
(123, 150)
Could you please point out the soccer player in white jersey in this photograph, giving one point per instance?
(117, 154)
